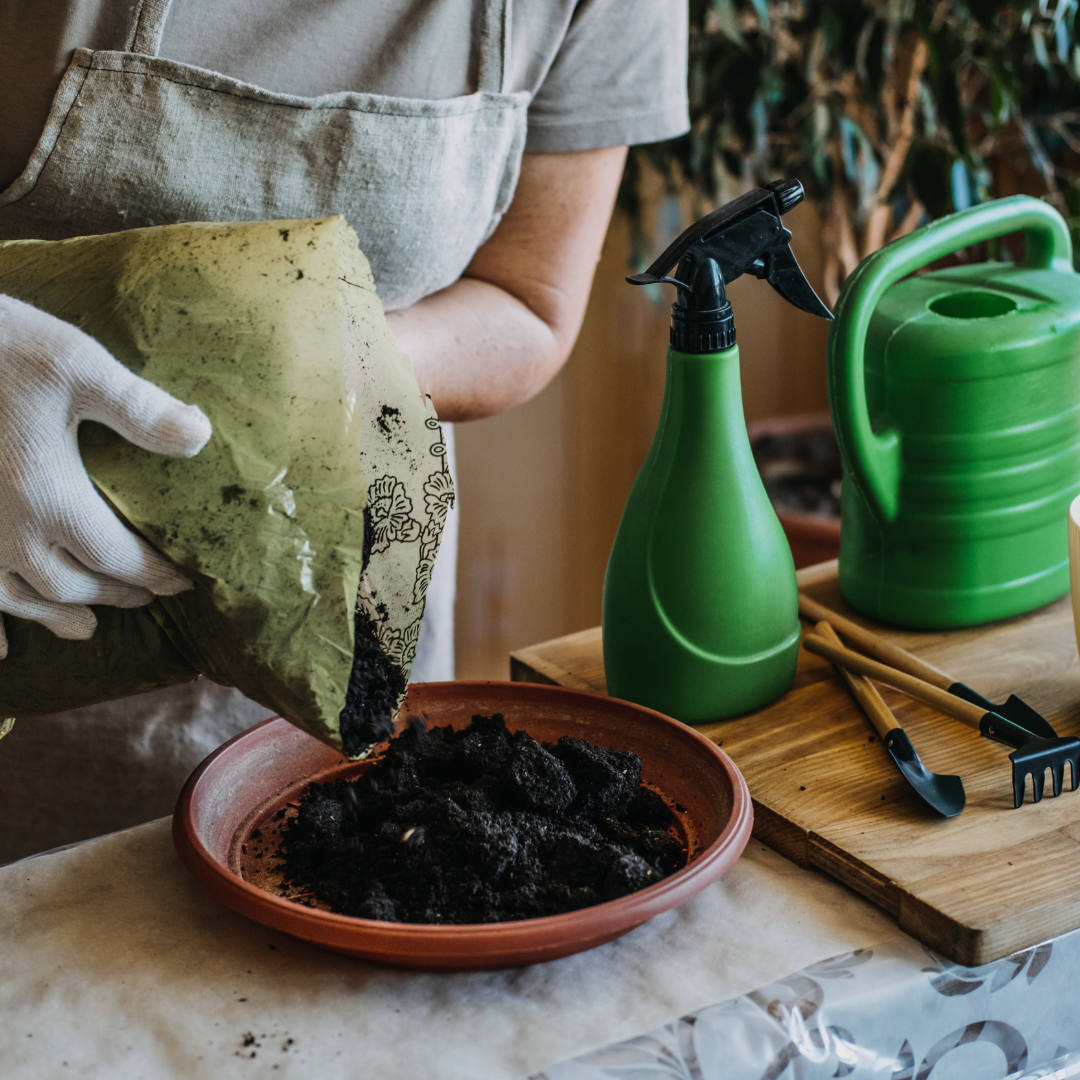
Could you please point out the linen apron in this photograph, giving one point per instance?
(132, 140)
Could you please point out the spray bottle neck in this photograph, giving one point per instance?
(703, 401)
(701, 318)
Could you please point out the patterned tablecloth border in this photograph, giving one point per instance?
(894, 1012)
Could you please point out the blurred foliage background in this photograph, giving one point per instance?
(891, 113)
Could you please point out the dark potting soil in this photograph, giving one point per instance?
(376, 684)
(480, 825)
(801, 471)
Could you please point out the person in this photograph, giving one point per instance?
(476, 147)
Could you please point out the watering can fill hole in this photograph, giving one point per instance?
(973, 304)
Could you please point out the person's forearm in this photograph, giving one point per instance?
(500, 333)
(476, 349)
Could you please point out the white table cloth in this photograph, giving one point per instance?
(116, 965)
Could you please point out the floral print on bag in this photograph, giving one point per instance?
(391, 514)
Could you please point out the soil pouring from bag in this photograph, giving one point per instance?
(476, 826)
(376, 685)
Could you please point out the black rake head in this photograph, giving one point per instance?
(1035, 757)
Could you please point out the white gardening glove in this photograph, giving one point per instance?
(61, 547)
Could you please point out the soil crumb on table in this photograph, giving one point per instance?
(480, 825)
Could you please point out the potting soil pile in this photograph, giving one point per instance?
(310, 521)
(476, 826)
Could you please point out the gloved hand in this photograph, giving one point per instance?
(61, 547)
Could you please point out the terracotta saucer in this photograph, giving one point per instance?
(239, 789)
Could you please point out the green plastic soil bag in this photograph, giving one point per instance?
(310, 521)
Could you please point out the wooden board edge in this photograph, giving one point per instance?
(780, 834)
(521, 671)
(974, 946)
(961, 944)
(534, 668)
(848, 870)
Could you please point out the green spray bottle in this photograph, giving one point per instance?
(700, 609)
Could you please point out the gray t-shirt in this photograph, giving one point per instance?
(601, 72)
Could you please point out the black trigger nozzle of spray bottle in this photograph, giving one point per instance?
(701, 318)
(745, 236)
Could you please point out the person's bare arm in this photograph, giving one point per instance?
(499, 334)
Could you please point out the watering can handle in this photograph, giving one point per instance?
(873, 457)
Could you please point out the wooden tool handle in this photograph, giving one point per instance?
(869, 642)
(865, 692)
(914, 687)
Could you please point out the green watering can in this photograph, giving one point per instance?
(955, 396)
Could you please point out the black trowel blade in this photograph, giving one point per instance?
(945, 794)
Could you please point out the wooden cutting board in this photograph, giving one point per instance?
(826, 793)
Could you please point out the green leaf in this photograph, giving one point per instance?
(832, 29)
(728, 20)
(759, 120)
(1062, 39)
(1038, 44)
(960, 182)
